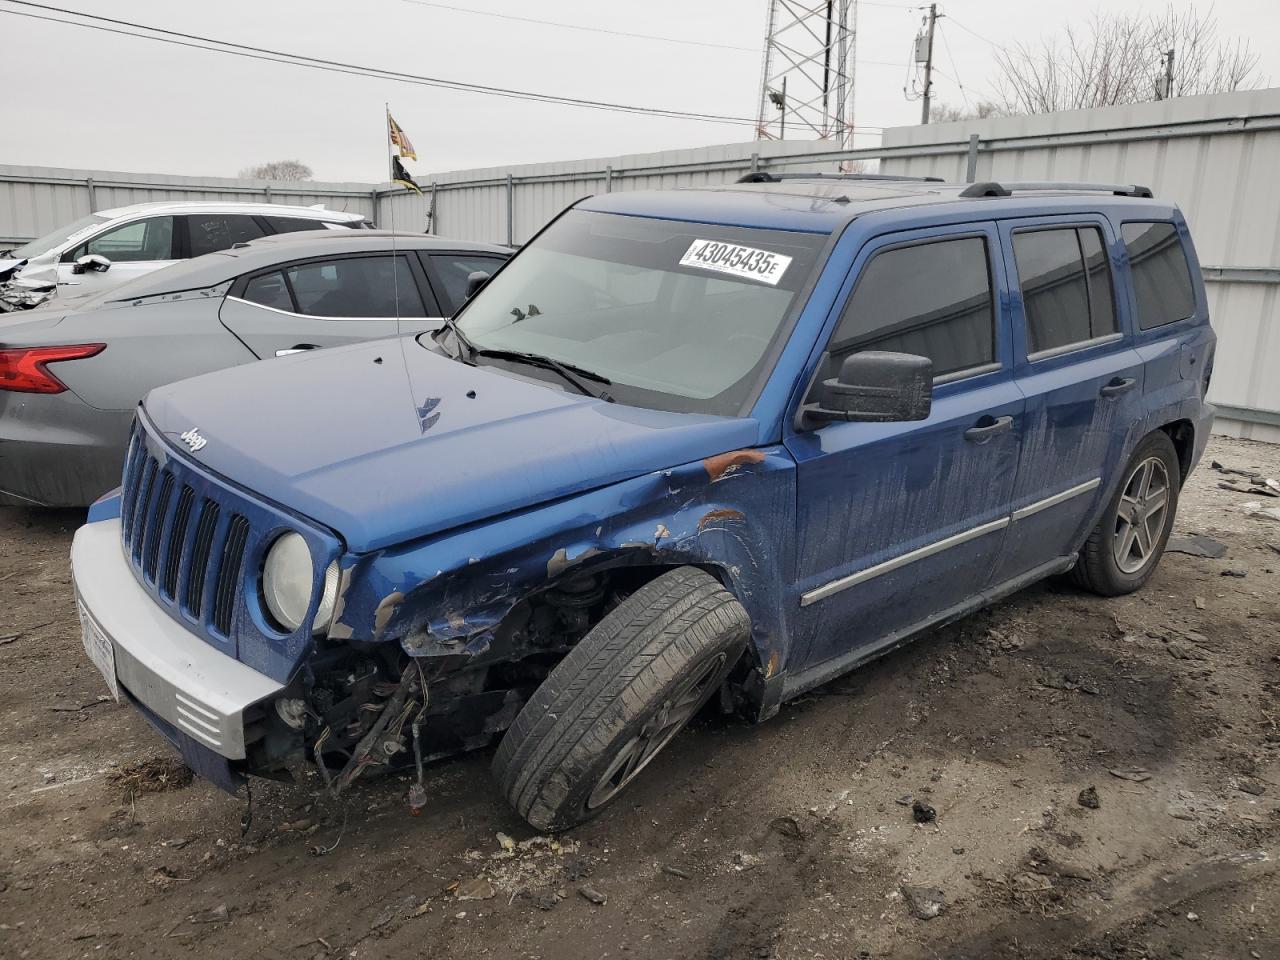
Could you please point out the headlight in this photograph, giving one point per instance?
(286, 580)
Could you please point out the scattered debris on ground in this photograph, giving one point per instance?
(154, 775)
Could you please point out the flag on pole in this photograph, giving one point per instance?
(401, 176)
(400, 140)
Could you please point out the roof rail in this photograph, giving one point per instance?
(762, 176)
(991, 188)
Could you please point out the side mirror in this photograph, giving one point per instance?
(877, 386)
(92, 261)
(475, 280)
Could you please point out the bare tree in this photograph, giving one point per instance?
(278, 170)
(947, 113)
(1117, 58)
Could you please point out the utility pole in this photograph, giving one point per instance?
(1168, 74)
(928, 63)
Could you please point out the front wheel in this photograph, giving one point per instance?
(619, 697)
(1124, 548)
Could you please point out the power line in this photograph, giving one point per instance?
(989, 43)
(954, 66)
(197, 42)
(579, 26)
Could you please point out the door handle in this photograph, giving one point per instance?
(297, 348)
(1118, 385)
(988, 427)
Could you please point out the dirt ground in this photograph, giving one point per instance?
(796, 838)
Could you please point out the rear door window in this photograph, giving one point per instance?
(931, 299)
(1066, 286)
(211, 232)
(1161, 277)
(135, 242)
(356, 287)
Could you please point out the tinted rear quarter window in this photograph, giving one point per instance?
(1066, 286)
(269, 290)
(212, 232)
(931, 299)
(293, 224)
(1161, 277)
(455, 268)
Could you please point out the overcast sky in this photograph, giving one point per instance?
(82, 98)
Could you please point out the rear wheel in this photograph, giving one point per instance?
(619, 697)
(1124, 548)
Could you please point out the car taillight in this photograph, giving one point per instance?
(23, 370)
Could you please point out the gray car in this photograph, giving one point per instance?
(71, 374)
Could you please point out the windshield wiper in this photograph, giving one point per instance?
(571, 374)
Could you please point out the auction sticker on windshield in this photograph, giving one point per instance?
(739, 261)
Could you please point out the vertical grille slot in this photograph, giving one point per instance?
(200, 556)
(142, 511)
(151, 549)
(129, 482)
(224, 597)
(177, 542)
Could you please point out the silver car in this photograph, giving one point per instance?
(72, 373)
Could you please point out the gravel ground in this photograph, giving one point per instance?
(796, 838)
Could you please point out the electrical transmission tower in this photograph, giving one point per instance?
(806, 83)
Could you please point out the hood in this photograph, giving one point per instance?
(336, 435)
(7, 265)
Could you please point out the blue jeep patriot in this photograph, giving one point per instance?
(728, 441)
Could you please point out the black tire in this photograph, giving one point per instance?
(1099, 568)
(671, 642)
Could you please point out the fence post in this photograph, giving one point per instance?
(511, 212)
(755, 163)
(93, 200)
(608, 178)
(375, 216)
(971, 167)
(267, 192)
(431, 211)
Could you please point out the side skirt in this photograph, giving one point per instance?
(788, 686)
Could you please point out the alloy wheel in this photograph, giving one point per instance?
(1140, 515)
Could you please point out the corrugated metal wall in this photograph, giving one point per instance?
(1215, 156)
(35, 200)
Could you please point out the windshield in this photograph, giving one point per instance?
(677, 316)
(55, 239)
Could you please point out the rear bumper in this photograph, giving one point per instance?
(177, 677)
(56, 451)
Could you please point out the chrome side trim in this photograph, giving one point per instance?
(309, 316)
(1023, 512)
(853, 579)
(862, 576)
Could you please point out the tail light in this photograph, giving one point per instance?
(23, 369)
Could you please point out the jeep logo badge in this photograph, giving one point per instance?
(193, 439)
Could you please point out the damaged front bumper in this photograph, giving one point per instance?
(192, 689)
(16, 295)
